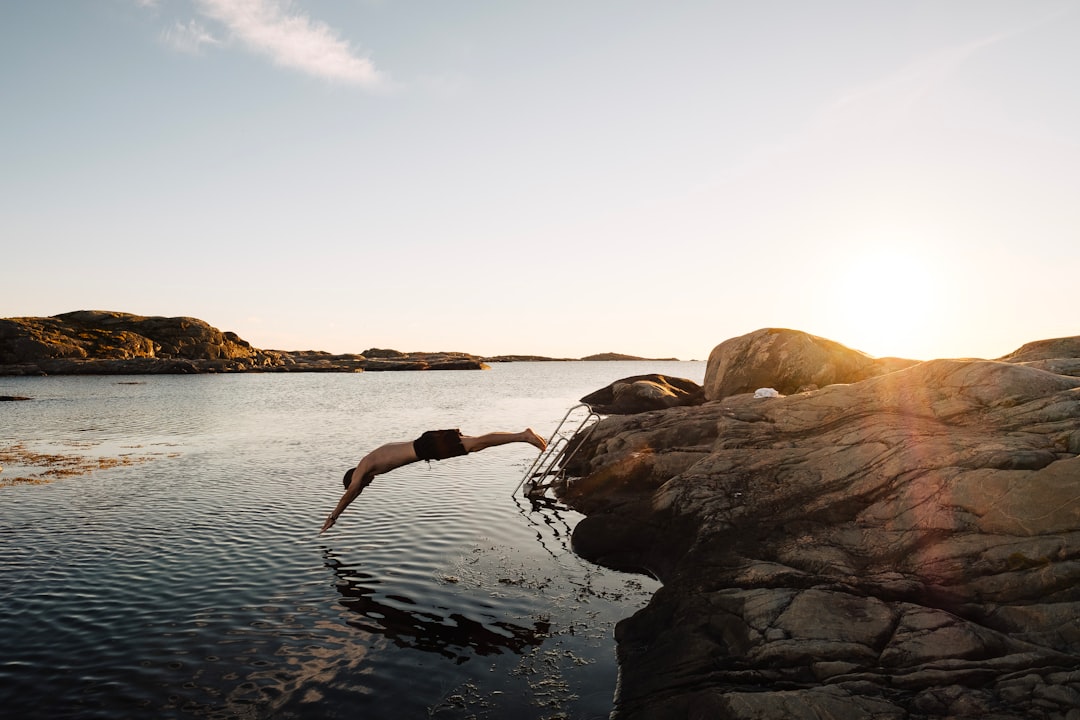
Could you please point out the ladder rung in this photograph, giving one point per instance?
(551, 462)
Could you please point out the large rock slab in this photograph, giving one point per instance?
(904, 546)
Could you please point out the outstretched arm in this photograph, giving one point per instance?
(380, 460)
(359, 482)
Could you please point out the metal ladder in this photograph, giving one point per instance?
(550, 466)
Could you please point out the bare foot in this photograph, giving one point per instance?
(533, 439)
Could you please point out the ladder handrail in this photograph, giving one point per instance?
(549, 459)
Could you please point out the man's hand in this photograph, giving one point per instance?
(330, 520)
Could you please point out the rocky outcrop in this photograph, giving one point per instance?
(1060, 355)
(99, 342)
(904, 546)
(427, 361)
(523, 358)
(94, 342)
(788, 361)
(610, 356)
(1057, 348)
(600, 357)
(388, 360)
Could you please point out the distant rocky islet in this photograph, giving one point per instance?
(96, 342)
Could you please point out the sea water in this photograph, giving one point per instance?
(191, 581)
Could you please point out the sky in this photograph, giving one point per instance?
(550, 178)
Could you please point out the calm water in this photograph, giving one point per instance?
(196, 583)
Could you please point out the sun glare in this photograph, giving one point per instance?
(885, 301)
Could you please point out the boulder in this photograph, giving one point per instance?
(789, 361)
(906, 545)
(644, 392)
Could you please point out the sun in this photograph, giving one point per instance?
(886, 301)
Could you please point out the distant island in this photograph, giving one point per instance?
(98, 342)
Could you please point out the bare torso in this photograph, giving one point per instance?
(388, 457)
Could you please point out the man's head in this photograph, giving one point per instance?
(347, 480)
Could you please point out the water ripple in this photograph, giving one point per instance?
(198, 585)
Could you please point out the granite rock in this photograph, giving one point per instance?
(788, 361)
(902, 546)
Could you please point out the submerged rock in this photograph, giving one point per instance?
(907, 545)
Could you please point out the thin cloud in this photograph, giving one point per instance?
(189, 38)
(890, 101)
(292, 39)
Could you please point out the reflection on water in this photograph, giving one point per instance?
(197, 585)
(552, 515)
(407, 625)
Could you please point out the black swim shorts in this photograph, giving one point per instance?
(438, 445)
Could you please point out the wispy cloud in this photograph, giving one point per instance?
(278, 30)
(891, 99)
(188, 38)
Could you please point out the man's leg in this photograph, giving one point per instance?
(480, 442)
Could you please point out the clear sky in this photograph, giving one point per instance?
(553, 178)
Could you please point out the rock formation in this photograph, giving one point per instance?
(95, 342)
(644, 392)
(98, 342)
(901, 546)
(610, 356)
(426, 361)
(113, 343)
(788, 361)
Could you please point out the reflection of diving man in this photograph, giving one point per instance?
(432, 445)
(410, 624)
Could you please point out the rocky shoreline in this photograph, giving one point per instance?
(878, 538)
(882, 539)
(95, 342)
